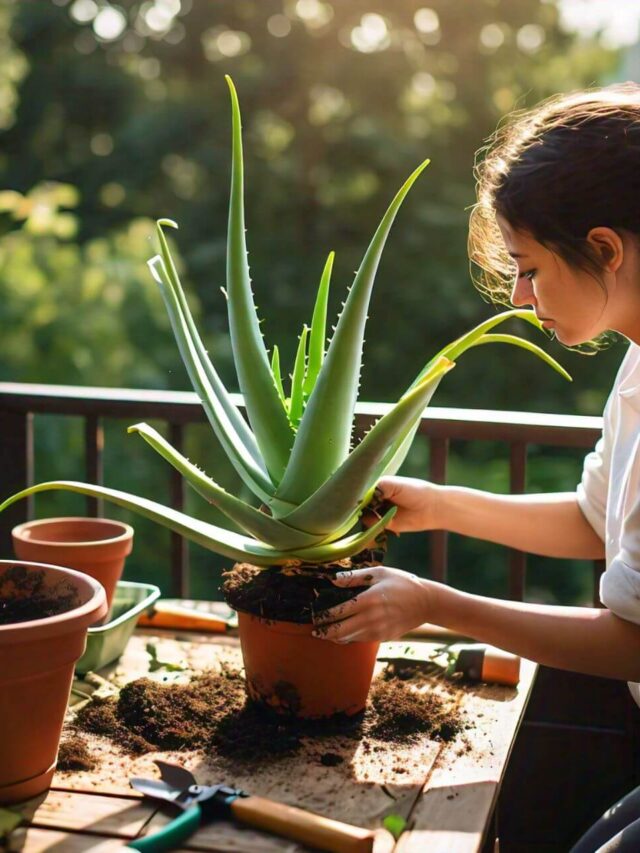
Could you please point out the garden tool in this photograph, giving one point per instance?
(200, 804)
(475, 661)
(185, 615)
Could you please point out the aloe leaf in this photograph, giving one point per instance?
(525, 344)
(318, 328)
(252, 474)
(251, 520)
(341, 495)
(264, 407)
(346, 547)
(297, 379)
(457, 347)
(222, 395)
(224, 542)
(323, 437)
(277, 375)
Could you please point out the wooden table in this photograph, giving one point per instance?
(446, 790)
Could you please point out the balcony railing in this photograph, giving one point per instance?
(20, 403)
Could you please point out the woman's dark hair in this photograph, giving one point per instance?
(555, 172)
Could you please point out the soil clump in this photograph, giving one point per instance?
(74, 755)
(25, 596)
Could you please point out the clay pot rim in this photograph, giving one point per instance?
(93, 609)
(18, 530)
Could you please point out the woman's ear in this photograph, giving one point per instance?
(608, 247)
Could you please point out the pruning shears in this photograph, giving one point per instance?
(200, 804)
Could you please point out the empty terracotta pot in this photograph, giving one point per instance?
(37, 660)
(294, 673)
(96, 546)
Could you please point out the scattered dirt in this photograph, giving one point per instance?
(211, 714)
(401, 713)
(24, 596)
(74, 755)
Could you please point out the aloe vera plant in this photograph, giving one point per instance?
(294, 453)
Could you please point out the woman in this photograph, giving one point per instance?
(559, 209)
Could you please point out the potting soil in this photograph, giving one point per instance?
(211, 714)
(74, 754)
(24, 596)
(291, 594)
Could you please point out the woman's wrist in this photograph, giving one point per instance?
(436, 507)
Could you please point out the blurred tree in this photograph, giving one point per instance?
(340, 102)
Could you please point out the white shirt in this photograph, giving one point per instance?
(609, 494)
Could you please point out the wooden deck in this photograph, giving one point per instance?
(447, 792)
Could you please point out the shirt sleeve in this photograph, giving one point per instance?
(593, 488)
(620, 584)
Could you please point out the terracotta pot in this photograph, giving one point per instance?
(95, 546)
(294, 673)
(37, 660)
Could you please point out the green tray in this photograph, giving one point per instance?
(105, 643)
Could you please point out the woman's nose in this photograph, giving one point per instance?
(522, 292)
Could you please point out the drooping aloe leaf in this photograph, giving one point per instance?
(224, 542)
(222, 395)
(251, 520)
(264, 407)
(252, 474)
(457, 347)
(322, 441)
(297, 379)
(318, 328)
(524, 344)
(277, 375)
(340, 496)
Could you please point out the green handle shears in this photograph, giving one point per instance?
(200, 804)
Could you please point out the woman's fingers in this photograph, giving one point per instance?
(347, 631)
(358, 577)
(335, 614)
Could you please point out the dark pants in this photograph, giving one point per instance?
(617, 830)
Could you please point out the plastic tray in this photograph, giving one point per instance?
(105, 643)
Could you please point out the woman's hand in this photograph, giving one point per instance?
(416, 501)
(395, 602)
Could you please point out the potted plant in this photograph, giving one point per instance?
(295, 454)
(44, 615)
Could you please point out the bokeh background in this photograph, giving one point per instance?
(114, 114)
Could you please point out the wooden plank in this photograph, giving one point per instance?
(453, 812)
(101, 815)
(34, 840)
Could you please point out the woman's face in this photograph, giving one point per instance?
(567, 300)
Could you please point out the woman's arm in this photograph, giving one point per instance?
(581, 639)
(551, 525)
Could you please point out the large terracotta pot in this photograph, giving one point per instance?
(294, 673)
(96, 546)
(37, 660)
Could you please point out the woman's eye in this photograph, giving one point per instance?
(528, 274)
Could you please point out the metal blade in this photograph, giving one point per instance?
(156, 789)
(175, 775)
